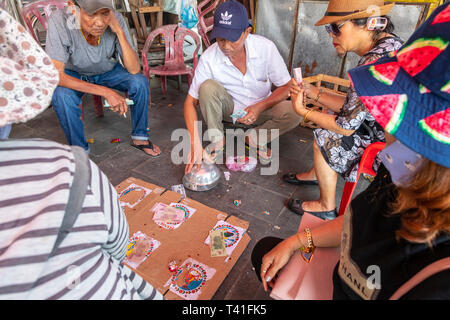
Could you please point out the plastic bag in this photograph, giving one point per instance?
(188, 14)
(244, 164)
(172, 6)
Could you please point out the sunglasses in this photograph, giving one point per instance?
(334, 28)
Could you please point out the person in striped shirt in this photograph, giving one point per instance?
(36, 177)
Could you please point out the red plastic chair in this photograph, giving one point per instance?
(41, 10)
(365, 166)
(205, 25)
(173, 36)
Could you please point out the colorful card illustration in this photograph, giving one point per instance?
(231, 233)
(189, 279)
(140, 247)
(133, 195)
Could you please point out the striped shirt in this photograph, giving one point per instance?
(35, 180)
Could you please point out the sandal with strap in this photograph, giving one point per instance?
(295, 206)
(292, 179)
(142, 147)
(263, 160)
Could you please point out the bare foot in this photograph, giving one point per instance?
(264, 153)
(307, 176)
(316, 206)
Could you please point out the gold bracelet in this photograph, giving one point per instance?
(318, 96)
(309, 238)
(307, 115)
(310, 246)
(308, 251)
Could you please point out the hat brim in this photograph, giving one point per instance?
(384, 10)
(232, 35)
(400, 105)
(92, 11)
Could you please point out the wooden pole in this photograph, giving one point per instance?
(294, 35)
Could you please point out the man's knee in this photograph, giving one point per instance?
(287, 112)
(138, 83)
(65, 98)
(208, 89)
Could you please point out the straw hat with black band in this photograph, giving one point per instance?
(340, 10)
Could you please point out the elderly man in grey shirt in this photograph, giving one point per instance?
(84, 42)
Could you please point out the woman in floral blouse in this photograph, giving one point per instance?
(342, 137)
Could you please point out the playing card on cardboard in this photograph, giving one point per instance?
(140, 247)
(189, 279)
(188, 211)
(133, 195)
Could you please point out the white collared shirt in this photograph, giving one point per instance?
(265, 67)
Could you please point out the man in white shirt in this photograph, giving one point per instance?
(236, 73)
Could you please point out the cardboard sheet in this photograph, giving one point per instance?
(200, 275)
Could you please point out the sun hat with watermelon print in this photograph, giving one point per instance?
(408, 91)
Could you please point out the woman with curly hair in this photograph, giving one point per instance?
(401, 223)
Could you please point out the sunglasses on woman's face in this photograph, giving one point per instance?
(334, 28)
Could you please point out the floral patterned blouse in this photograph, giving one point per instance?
(344, 153)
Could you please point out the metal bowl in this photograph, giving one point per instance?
(203, 179)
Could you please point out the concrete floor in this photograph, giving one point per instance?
(257, 193)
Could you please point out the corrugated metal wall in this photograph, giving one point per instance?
(290, 24)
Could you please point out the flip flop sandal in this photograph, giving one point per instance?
(264, 161)
(214, 154)
(142, 147)
(292, 179)
(295, 206)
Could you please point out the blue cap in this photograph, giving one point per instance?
(230, 20)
